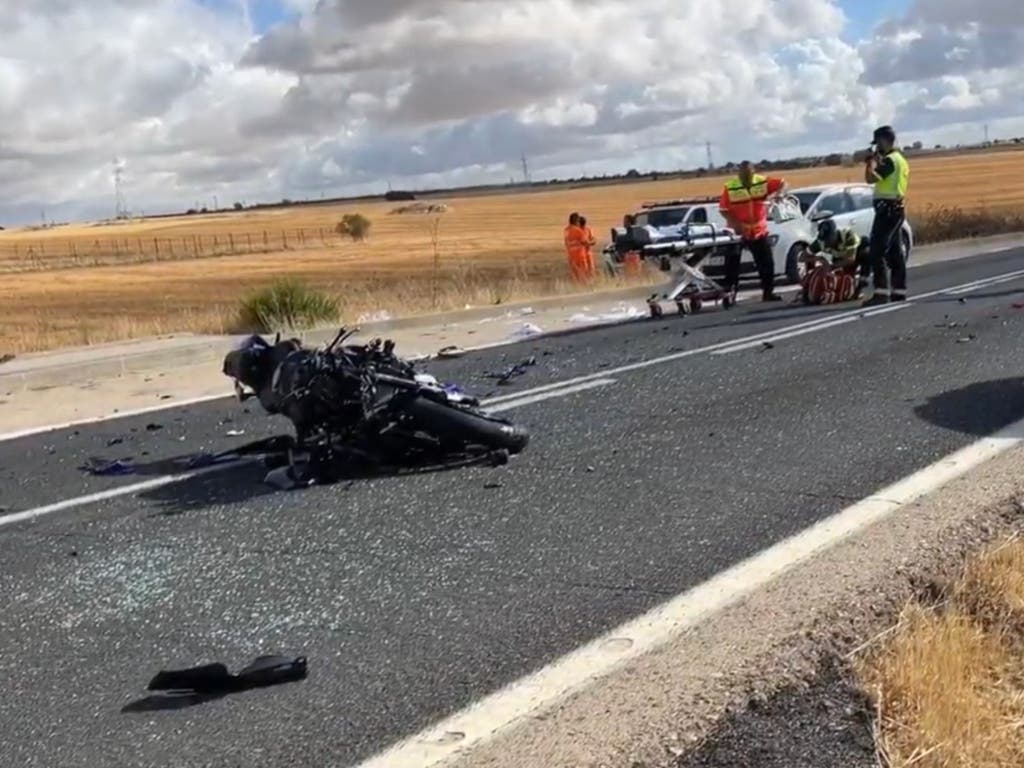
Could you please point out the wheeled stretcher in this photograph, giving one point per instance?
(689, 246)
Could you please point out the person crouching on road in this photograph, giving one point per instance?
(575, 248)
(832, 262)
(745, 208)
(887, 169)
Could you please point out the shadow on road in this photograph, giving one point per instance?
(235, 485)
(169, 702)
(245, 482)
(977, 409)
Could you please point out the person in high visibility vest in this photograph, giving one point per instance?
(745, 208)
(888, 170)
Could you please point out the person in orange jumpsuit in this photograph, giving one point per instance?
(576, 248)
(590, 241)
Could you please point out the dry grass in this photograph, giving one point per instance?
(486, 249)
(949, 683)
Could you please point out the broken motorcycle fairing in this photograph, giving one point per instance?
(363, 401)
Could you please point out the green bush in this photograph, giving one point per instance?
(285, 305)
(354, 225)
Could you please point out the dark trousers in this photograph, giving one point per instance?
(886, 254)
(761, 250)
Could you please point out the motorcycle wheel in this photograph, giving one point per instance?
(473, 427)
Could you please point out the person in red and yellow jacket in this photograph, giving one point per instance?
(576, 247)
(744, 206)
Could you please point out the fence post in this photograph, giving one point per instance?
(266, 244)
(231, 240)
(215, 244)
(156, 247)
(284, 239)
(170, 246)
(248, 237)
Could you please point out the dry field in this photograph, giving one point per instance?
(82, 284)
(948, 684)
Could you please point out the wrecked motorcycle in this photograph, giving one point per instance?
(363, 404)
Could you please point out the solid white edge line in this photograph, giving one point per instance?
(92, 420)
(158, 482)
(113, 493)
(536, 693)
(1005, 277)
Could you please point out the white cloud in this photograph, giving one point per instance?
(428, 92)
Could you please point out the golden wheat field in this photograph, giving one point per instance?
(80, 284)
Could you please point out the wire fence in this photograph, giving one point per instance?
(55, 253)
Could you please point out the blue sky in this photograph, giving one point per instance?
(864, 15)
(264, 13)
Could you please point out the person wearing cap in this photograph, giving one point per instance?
(887, 169)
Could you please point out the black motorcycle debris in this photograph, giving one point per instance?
(361, 406)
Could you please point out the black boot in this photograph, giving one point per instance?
(876, 300)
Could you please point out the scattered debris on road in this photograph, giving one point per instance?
(620, 313)
(262, 672)
(108, 468)
(235, 432)
(526, 331)
(513, 371)
(451, 352)
(966, 339)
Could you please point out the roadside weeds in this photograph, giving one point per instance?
(948, 684)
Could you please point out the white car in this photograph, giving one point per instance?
(850, 205)
(789, 230)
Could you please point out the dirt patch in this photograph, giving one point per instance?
(820, 725)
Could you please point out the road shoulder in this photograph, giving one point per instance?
(723, 689)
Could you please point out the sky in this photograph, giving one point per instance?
(261, 100)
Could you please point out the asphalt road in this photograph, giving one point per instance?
(414, 596)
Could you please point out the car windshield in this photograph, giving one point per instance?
(665, 217)
(806, 199)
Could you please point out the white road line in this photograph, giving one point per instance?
(536, 398)
(747, 340)
(167, 405)
(163, 480)
(112, 493)
(537, 693)
(849, 317)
